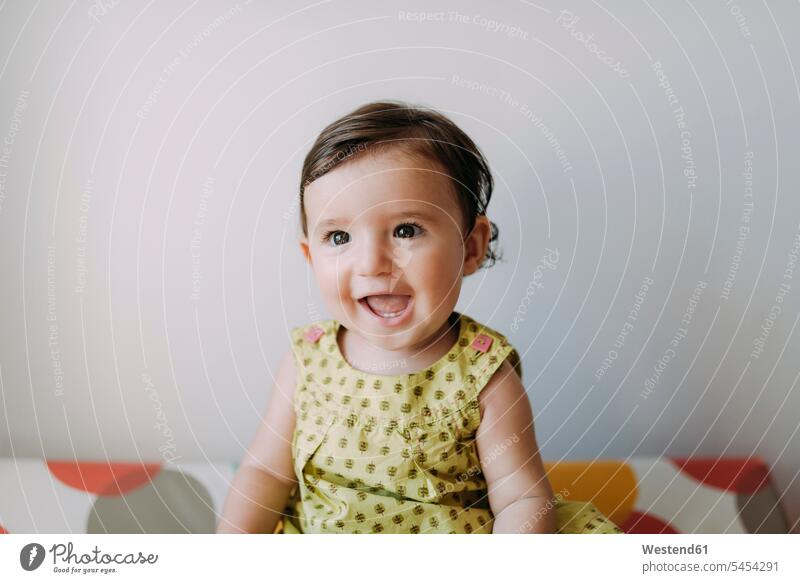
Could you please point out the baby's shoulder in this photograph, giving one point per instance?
(503, 388)
(285, 379)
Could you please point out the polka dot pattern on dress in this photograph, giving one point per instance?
(391, 453)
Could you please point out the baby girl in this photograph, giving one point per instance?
(399, 415)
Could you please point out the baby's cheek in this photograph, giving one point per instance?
(331, 285)
(327, 276)
(443, 273)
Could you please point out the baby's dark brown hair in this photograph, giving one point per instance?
(417, 130)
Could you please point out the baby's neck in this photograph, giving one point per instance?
(367, 357)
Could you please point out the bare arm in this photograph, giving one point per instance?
(265, 478)
(520, 494)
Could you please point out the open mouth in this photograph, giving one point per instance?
(387, 307)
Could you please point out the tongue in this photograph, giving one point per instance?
(387, 304)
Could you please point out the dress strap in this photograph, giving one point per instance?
(308, 346)
(485, 349)
(310, 338)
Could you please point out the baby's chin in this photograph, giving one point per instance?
(414, 333)
(394, 338)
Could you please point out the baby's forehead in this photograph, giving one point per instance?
(384, 167)
(381, 185)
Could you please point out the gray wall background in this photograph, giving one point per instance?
(148, 221)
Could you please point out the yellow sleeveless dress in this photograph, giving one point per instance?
(396, 454)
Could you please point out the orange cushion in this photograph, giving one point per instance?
(609, 484)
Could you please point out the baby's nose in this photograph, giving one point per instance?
(375, 257)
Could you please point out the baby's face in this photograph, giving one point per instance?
(386, 244)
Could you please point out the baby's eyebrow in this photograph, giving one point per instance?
(330, 223)
(415, 214)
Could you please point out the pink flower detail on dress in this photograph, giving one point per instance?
(313, 334)
(482, 342)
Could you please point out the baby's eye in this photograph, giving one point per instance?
(338, 238)
(406, 230)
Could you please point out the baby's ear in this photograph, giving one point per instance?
(305, 249)
(476, 244)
